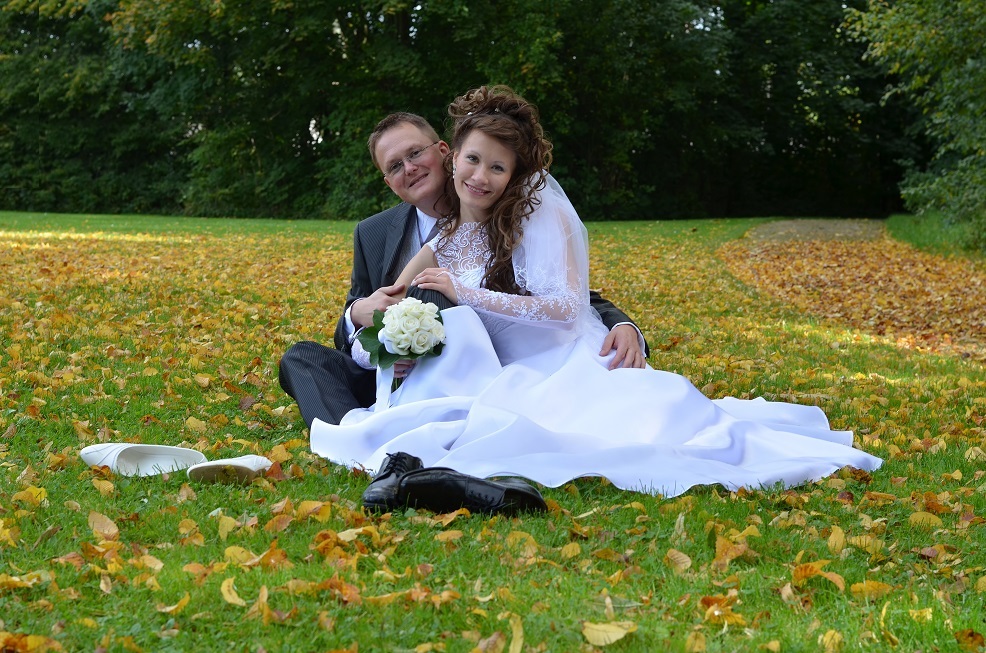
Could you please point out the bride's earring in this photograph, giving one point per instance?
(453, 170)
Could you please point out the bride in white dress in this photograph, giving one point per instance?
(520, 390)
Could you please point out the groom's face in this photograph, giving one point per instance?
(419, 181)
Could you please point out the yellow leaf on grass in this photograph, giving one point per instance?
(202, 380)
(31, 495)
(150, 562)
(808, 570)
(448, 536)
(261, 609)
(695, 642)
(105, 488)
(837, 541)
(719, 611)
(385, 599)
(571, 550)
(32, 643)
(279, 454)
(832, 641)
(102, 526)
(186, 493)
(177, 607)
(981, 585)
(226, 526)
(975, 454)
(318, 510)
(677, 560)
(196, 425)
(604, 634)
(870, 589)
(278, 523)
(925, 519)
(27, 580)
(186, 526)
(727, 551)
(517, 630)
(524, 541)
(238, 555)
(229, 593)
(866, 543)
(921, 615)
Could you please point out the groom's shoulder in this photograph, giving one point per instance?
(397, 213)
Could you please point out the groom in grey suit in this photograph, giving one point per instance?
(327, 383)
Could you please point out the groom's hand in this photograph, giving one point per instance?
(403, 367)
(625, 340)
(361, 311)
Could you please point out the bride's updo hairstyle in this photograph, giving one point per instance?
(500, 113)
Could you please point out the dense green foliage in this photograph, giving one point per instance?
(262, 107)
(936, 49)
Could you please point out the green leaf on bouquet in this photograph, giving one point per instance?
(369, 338)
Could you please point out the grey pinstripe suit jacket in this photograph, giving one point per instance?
(377, 243)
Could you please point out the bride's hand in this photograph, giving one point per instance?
(438, 279)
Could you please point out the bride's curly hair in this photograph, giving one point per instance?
(502, 114)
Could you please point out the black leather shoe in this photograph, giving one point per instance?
(381, 494)
(441, 489)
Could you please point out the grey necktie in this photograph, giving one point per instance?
(431, 234)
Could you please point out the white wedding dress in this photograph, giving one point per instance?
(519, 390)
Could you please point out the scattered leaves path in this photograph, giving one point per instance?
(853, 273)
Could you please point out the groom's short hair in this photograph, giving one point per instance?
(392, 121)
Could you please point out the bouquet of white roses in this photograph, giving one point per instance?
(408, 329)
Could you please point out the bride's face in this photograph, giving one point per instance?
(483, 168)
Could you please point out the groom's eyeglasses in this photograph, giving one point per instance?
(397, 167)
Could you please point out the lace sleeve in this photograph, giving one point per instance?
(551, 264)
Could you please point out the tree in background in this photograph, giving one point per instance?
(681, 108)
(82, 122)
(820, 142)
(936, 51)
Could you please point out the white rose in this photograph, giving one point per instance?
(390, 331)
(427, 322)
(386, 342)
(438, 332)
(402, 344)
(421, 342)
(409, 324)
(431, 309)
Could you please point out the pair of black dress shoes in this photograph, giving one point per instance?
(404, 481)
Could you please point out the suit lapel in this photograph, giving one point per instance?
(400, 229)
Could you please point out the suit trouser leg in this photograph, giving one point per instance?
(325, 382)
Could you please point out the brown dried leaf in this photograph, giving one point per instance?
(677, 560)
(102, 526)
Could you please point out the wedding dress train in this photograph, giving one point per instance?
(519, 390)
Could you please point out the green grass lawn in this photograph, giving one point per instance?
(168, 330)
